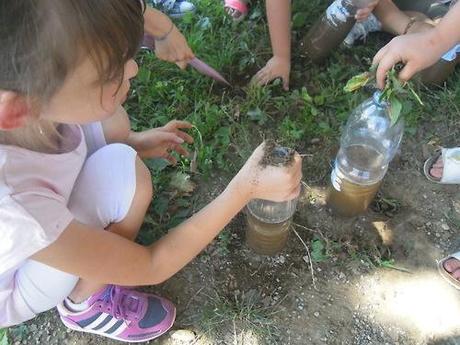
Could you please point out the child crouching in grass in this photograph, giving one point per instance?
(74, 190)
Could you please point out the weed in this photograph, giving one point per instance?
(318, 250)
(3, 337)
(229, 317)
(453, 218)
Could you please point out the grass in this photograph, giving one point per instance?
(230, 122)
(3, 337)
(239, 317)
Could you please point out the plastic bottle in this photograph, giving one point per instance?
(332, 28)
(441, 70)
(269, 222)
(368, 144)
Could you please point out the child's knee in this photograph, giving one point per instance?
(107, 185)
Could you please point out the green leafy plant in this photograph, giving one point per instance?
(3, 337)
(318, 251)
(393, 92)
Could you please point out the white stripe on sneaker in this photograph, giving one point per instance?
(120, 329)
(98, 321)
(107, 326)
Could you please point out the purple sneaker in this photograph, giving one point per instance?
(122, 314)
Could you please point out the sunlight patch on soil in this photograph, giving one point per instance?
(421, 302)
(385, 233)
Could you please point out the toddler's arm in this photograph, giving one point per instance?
(153, 143)
(172, 45)
(279, 16)
(104, 257)
(421, 50)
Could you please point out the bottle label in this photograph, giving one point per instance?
(337, 13)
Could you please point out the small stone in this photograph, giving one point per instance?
(183, 335)
(445, 227)
(281, 259)
(316, 314)
(315, 141)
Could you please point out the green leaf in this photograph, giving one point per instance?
(416, 96)
(395, 109)
(357, 82)
(257, 115)
(318, 251)
(182, 182)
(299, 19)
(3, 337)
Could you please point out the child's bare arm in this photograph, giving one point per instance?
(153, 143)
(100, 256)
(420, 50)
(172, 47)
(279, 16)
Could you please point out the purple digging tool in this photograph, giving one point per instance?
(200, 66)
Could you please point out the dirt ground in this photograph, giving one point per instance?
(347, 297)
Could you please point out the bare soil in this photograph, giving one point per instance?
(345, 298)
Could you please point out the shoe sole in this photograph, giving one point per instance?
(74, 328)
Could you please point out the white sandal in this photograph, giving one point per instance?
(451, 166)
(446, 275)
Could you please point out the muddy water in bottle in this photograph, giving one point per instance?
(351, 192)
(266, 238)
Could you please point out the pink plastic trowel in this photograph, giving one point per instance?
(200, 66)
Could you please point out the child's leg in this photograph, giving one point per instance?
(113, 192)
(35, 288)
(393, 20)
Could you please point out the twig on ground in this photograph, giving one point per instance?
(191, 299)
(309, 258)
(313, 230)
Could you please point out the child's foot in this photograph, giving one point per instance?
(174, 8)
(360, 30)
(121, 314)
(452, 266)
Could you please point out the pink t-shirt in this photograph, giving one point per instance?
(34, 191)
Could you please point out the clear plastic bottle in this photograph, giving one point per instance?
(331, 29)
(368, 144)
(268, 221)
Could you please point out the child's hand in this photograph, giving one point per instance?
(276, 67)
(269, 183)
(417, 51)
(160, 142)
(365, 12)
(174, 48)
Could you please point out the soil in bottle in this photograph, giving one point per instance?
(438, 73)
(352, 199)
(349, 198)
(265, 238)
(325, 36)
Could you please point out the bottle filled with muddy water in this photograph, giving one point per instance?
(368, 144)
(269, 222)
(331, 29)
